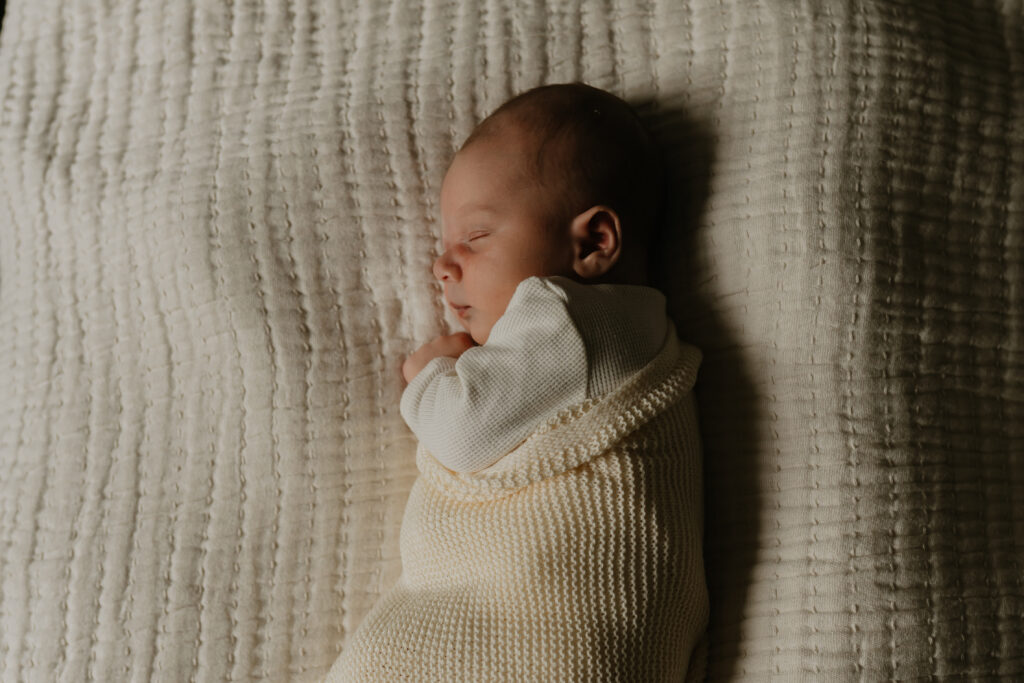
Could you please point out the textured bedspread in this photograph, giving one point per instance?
(217, 221)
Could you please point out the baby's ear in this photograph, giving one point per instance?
(597, 241)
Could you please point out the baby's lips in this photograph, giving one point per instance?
(460, 311)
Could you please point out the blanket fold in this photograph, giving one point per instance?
(575, 557)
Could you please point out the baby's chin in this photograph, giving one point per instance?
(477, 325)
(479, 336)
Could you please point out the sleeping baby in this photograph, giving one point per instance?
(555, 531)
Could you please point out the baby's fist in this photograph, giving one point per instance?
(451, 345)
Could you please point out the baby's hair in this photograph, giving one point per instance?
(591, 149)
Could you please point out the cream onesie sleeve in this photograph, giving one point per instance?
(472, 411)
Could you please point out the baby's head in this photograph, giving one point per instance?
(560, 180)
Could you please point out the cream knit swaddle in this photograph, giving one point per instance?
(575, 557)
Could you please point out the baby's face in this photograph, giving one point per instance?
(496, 231)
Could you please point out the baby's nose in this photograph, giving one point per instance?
(445, 268)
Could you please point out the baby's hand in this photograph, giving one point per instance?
(453, 345)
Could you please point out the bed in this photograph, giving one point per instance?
(217, 221)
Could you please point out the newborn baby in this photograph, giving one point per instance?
(555, 531)
(555, 189)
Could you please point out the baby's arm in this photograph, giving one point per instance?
(472, 411)
(452, 345)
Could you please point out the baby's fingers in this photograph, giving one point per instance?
(456, 344)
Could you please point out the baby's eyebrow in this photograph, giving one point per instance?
(474, 207)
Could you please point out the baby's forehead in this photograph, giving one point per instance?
(496, 164)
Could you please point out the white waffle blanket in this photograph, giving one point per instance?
(217, 221)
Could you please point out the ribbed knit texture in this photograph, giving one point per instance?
(578, 557)
(217, 221)
(557, 343)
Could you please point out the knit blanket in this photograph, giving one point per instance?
(577, 557)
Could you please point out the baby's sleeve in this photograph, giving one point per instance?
(472, 411)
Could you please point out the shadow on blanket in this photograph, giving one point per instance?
(724, 389)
